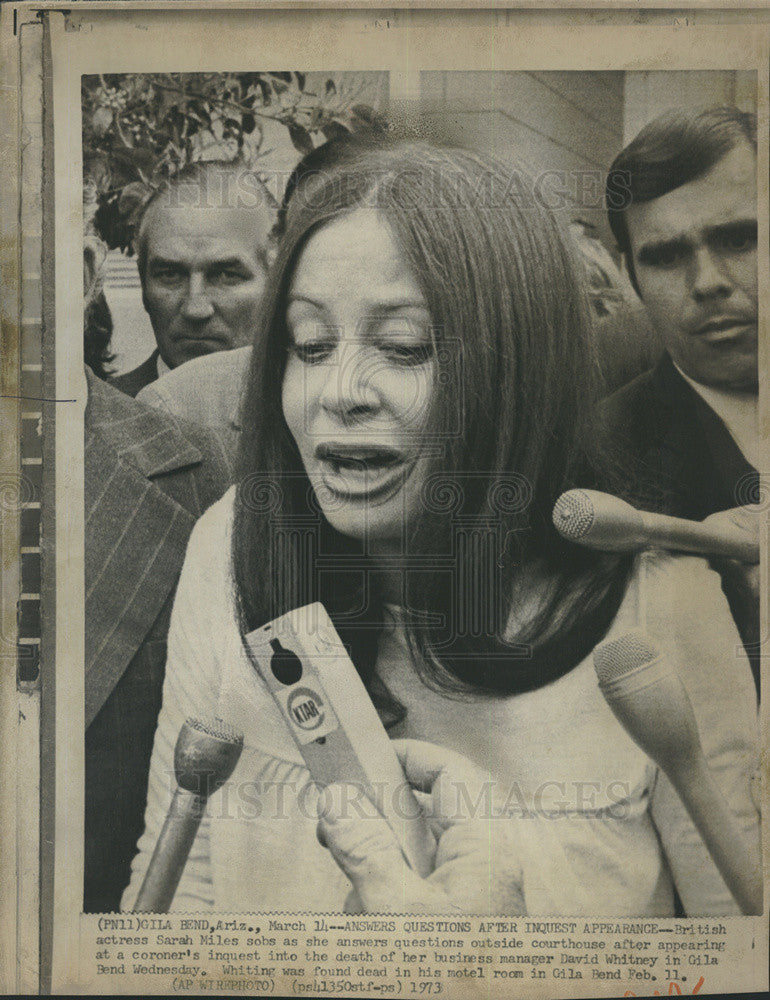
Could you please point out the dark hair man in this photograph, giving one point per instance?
(682, 204)
(202, 254)
(681, 200)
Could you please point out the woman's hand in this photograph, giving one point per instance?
(476, 868)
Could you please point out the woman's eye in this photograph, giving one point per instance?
(312, 352)
(408, 354)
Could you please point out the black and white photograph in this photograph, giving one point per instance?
(420, 506)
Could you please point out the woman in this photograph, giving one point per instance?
(420, 394)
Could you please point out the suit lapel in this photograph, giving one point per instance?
(735, 477)
(136, 534)
(685, 458)
(698, 449)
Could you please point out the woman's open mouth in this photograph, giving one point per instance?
(361, 472)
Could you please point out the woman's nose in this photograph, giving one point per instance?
(197, 304)
(349, 390)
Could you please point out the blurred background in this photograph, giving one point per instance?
(564, 127)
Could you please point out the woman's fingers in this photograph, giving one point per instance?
(459, 790)
(423, 762)
(476, 868)
(367, 851)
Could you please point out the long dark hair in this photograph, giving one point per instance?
(511, 427)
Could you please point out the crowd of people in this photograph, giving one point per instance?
(410, 344)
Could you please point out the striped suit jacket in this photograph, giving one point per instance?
(148, 477)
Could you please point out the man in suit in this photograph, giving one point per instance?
(682, 204)
(681, 201)
(201, 249)
(148, 477)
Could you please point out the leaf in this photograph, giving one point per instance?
(143, 158)
(331, 88)
(248, 123)
(259, 89)
(279, 85)
(232, 88)
(300, 138)
(167, 100)
(101, 120)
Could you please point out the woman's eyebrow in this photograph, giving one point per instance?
(389, 307)
(294, 297)
(375, 307)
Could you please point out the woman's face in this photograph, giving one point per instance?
(359, 376)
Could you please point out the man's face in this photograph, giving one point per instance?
(695, 257)
(204, 277)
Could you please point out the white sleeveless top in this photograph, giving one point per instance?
(600, 829)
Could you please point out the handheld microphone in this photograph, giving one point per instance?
(335, 725)
(602, 521)
(650, 702)
(204, 758)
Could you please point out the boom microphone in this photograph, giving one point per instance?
(602, 521)
(650, 702)
(204, 758)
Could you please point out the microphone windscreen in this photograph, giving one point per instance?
(644, 691)
(621, 656)
(649, 700)
(205, 755)
(573, 514)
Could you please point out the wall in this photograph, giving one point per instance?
(647, 94)
(570, 122)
